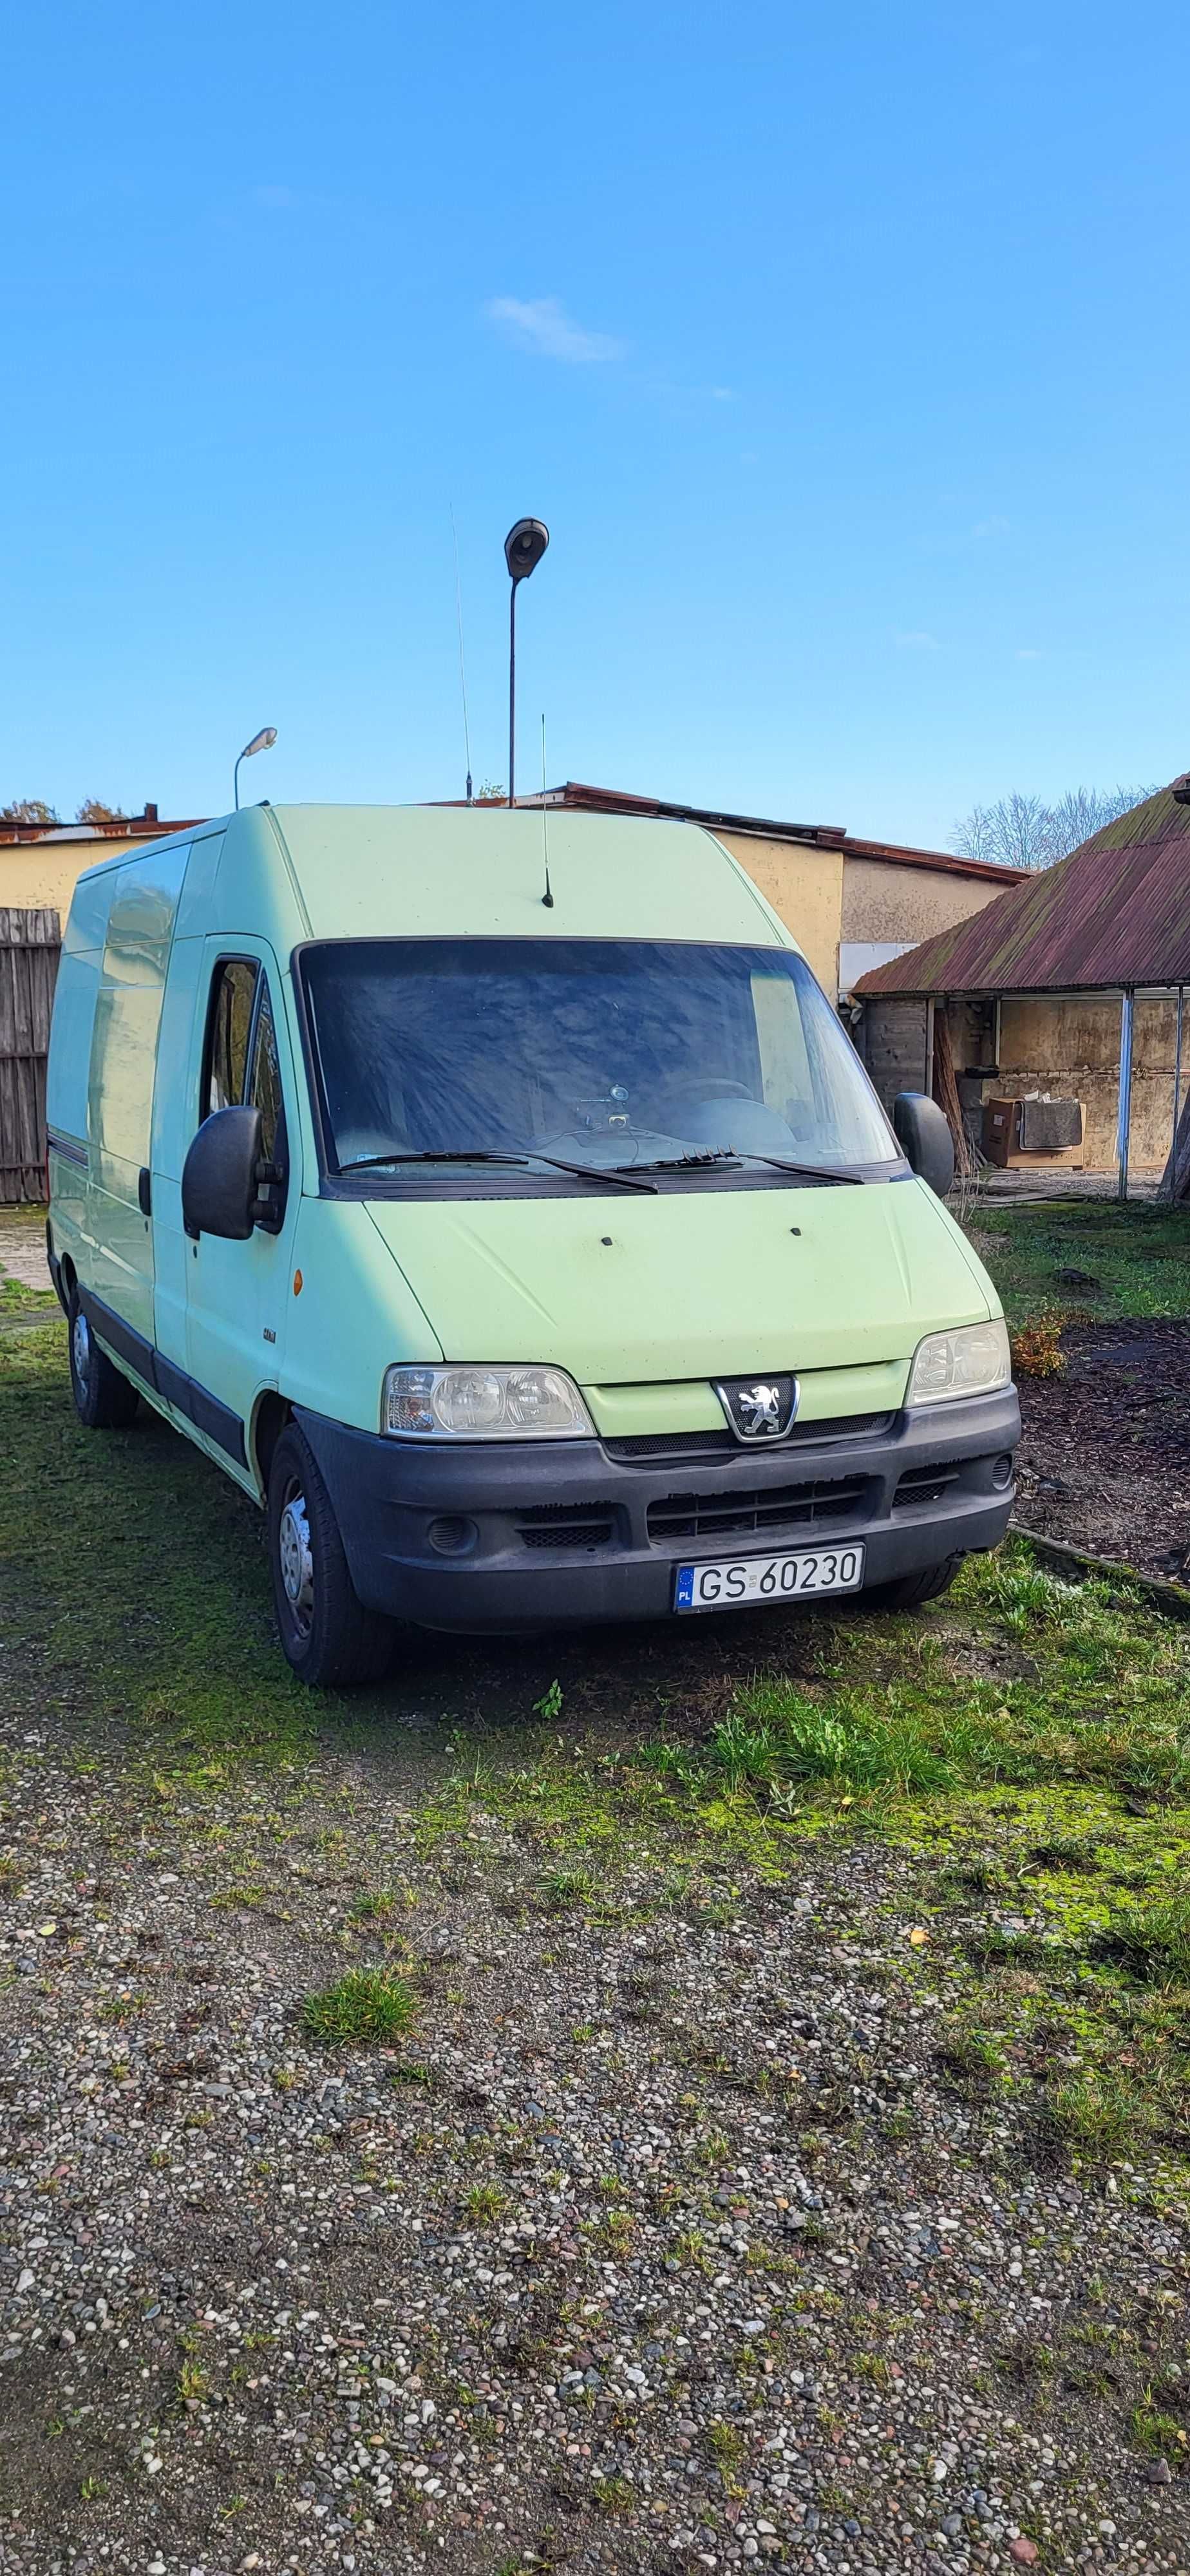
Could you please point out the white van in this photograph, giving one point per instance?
(528, 1261)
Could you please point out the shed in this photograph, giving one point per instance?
(1073, 982)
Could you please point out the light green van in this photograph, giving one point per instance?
(531, 1249)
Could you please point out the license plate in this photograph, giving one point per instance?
(726, 1581)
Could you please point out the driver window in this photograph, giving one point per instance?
(264, 1088)
(233, 993)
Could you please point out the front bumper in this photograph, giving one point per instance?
(491, 1538)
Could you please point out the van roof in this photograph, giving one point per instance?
(297, 872)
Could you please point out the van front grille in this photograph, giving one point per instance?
(568, 1525)
(645, 1448)
(768, 1508)
(923, 1485)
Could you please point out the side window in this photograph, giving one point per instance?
(264, 1087)
(232, 995)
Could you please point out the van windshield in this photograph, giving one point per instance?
(613, 1054)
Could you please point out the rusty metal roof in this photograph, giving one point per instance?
(1115, 913)
(830, 836)
(117, 827)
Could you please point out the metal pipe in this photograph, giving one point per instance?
(1177, 1097)
(512, 695)
(1124, 1114)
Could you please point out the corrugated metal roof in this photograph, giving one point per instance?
(1115, 913)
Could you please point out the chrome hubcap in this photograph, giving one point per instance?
(81, 1347)
(297, 1564)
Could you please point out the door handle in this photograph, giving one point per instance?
(144, 1192)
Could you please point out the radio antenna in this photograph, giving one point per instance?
(462, 665)
(547, 897)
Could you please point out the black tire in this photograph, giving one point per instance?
(327, 1636)
(911, 1591)
(103, 1400)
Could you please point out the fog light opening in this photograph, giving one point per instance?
(452, 1534)
(1002, 1471)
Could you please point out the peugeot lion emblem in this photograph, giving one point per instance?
(759, 1408)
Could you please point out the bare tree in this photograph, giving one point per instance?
(1022, 831)
(1085, 810)
(975, 836)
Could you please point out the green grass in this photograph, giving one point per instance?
(1138, 1254)
(485, 2203)
(1160, 2436)
(1153, 1940)
(366, 2005)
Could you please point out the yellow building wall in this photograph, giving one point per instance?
(881, 901)
(33, 873)
(805, 886)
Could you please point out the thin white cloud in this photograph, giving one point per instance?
(1028, 653)
(993, 527)
(722, 393)
(916, 641)
(275, 197)
(545, 328)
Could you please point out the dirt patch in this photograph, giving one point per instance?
(1104, 1460)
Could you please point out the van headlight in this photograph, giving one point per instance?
(484, 1404)
(973, 1360)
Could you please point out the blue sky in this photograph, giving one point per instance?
(843, 349)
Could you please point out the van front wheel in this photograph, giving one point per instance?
(327, 1635)
(103, 1400)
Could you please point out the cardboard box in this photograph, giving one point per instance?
(1002, 1120)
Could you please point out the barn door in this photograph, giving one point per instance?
(30, 944)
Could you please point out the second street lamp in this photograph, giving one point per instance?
(524, 547)
(262, 741)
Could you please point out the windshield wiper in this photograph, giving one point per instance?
(808, 1171)
(719, 1154)
(686, 1162)
(478, 1154)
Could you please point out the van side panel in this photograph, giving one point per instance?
(120, 1090)
(197, 902)
(67, 1125)
(66, 1094)
(175, 1120)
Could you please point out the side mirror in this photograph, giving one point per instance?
(221, 1175)
(925, 1139)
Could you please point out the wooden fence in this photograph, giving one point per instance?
(30, 946)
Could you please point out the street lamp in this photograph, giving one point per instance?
(262, 741)
(524, 547)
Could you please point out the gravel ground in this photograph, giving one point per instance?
(22, 1249)
(661, 2240)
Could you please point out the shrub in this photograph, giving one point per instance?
(1037, 1347)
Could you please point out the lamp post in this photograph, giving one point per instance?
(524, 547)
(262, 741)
